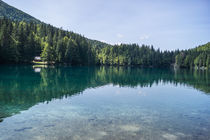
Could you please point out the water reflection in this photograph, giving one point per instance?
(22, 87)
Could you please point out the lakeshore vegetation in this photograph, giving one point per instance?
(21, 41)
(23, 37)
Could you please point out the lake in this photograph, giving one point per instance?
(103, 103)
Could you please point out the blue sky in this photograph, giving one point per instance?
(166, 24)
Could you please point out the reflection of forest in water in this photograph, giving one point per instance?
(21, 87)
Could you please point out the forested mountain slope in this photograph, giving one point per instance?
(12, 13)
(20, 42)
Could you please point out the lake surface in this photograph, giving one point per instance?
(105, 103)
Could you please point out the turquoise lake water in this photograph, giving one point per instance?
(103, 103)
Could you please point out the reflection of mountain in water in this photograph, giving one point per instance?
(21, 87)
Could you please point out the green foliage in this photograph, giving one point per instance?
(134, 54)
(20, 42)
(195, 58)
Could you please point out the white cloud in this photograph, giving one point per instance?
(120, 35)
(144, 37)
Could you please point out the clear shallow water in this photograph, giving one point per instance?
(103, 103)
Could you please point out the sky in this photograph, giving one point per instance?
(165, 24)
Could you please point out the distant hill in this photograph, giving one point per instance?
(14, 14)
(205, 47)
(198, 57)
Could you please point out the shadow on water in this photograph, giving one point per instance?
(22, 87)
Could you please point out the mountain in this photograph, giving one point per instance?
(12, 13)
